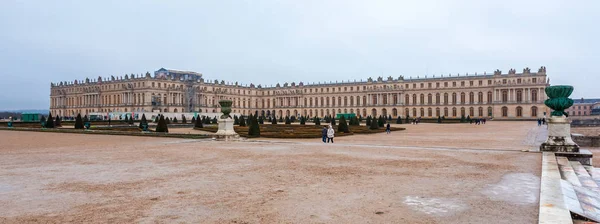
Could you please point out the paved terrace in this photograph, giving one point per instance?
(430, 173)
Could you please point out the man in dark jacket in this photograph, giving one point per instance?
(324, 134)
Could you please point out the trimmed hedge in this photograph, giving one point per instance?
(297, 131)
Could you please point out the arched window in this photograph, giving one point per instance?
(519, 111)
(471, 98)
(462, 98)
(489, 97)
(463, 112)
(504, 111)
(534, 112)
(406, 112)
(519, 96)
(406, 99)
(414, 102)
(504, 96)
(384, 112)
(437, 98)
(345, 101)
(471, 111)
(445, 112)
(480, 98)
(394, 112)
(490, 111)
(454, 98)
(454, 112)
(422, 99)
(429, 112)
(422, 112)
(445, 98)
(414, 112)
(385, 99)
(534, 96)
(374, 112)
(437, 112)
(480, 111)
(429, 99)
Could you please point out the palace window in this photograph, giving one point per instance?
(504, 96)
(534, 112)
(504, 111)
(534, 97)
(519, 96)
(519, 111)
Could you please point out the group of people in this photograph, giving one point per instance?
(478, 121)
(416, 120)
(541, 121)
(328, 133)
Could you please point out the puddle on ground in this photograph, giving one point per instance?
(515, 188)
(435, 206)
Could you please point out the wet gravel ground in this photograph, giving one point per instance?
(451, 173)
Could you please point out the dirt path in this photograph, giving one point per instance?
(427, 174)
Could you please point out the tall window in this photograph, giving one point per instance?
(471, 111)
(445, 98)
(504, 96)
(414, 100)
(480, 97)
(437, 112)
(429, 112)
(454, 112)
(489, 97)
(445, 112)
(480, 111)
(406, 99)
(504, 111)
(429, 99)
(471, 98)
(519, 111)
(422, 112)
(534, 112)
(462, 98)
(534, 96)
(454, 98)
(519, 96)
(463, 112)
(437, 98)
(422, 99)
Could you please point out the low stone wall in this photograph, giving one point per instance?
(585, 123)
(586, 141)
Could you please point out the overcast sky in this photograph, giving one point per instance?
(266, 42)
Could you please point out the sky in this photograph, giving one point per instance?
(276, 41)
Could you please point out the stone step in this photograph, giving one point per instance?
(566, 171)
(594, 173)
(584, 177)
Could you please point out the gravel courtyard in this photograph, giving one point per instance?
(430, 173)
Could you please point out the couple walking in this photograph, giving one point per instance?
(328, 134)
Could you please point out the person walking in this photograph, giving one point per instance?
(330, 134)
(388, 128)
(324, 134)
(539, 122)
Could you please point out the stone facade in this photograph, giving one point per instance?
(583, 107)
(501, 96)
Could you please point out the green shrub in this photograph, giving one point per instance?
(143, 121)
(343, 127)
(254, 129)
(193, 120)
(236, 120)
(369, 120)
(317, 121)
(273, 120)
(288, 120)
(199, 122)
(333, 121)
(183, 120)
(242, 121)
(162, 125)
(374, 125)
(50, 122)
(78, 122)
(399, 120)
(380, 121)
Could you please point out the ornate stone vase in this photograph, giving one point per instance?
(558, 99)
(225, 108)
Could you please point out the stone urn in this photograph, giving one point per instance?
(225, 108)
(226, 131)
(558, 99)
(559, 127)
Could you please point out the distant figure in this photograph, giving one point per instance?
(330, 134)
(484, 120)
(544, 121)
(539, 122)
(324, 134)
(388, 128)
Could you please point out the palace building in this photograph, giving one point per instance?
(499, 96)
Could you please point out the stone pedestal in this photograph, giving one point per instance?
(226, 131)
(559, 136)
